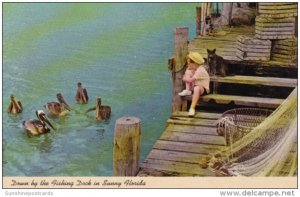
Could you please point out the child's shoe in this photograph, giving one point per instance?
(191, 112)
(185, 93)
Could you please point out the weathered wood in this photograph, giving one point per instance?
(257, 58)
(277, 11)
(250, 49)
(275, 29)
(253, 57)
(204, 115)
(254, 80)
(171, 63)
(270, 63)
(194, 129)
(285, 52)
(262, 19)
(246, 48)
(288, 42)
(288, 61)
(277, 7)
(190, 121)
(274, 33)
(247, 40)
(268, 37)
(187, 147)
(254, 53)
(258, 46)
(192, 138)
(277, 25)
(243, 100)
(198, 21)
(279, 16)
(144, 172)
(156, 154)
(286, 45)
(179, 168)
(232, 58)
(180, 53)
(291, 57)
(286, 48)
(180, 47)
(229, 46)
(275, 3)
(127, 137)
(181, 147)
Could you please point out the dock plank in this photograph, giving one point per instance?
(192, 138)
(203, 115)
(191, 121)
(187, 139)
(243, 100)
(175, 156)
(149, 171)
(253, 80)
(204, 130)
(187, 147)
(178, 168)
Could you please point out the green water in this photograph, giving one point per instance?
(118, 51)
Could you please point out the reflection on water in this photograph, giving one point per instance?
(117, 50)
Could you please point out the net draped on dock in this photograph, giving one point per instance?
(238, 122)
(270, 149)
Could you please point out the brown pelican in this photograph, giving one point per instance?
(81, 94)
(102, 112)
(58, 108)
(36, 127)
(15, 107)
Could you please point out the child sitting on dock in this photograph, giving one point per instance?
(196, 80)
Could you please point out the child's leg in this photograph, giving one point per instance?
(188, 85)
(198, 90)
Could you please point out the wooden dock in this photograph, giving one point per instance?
(186, 139)
(184, 142)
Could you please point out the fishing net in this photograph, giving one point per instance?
(268, 149)
(236, 123)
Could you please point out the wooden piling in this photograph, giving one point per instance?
(230, 14)
(180, 53)
(127, 146)
(198, 21)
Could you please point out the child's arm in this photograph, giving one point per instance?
(188, 76)
(189, 79)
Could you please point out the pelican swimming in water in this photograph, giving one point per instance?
(58, 108)
(102, 112)
(15, 107)
(81, 94)
(36, 127)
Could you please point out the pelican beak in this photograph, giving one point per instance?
(46, 120)
(62, 100)
(66, 106)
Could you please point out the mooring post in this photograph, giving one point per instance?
(198, 21)
(127, 140)
(180, 53)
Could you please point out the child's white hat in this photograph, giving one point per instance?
(196, 57)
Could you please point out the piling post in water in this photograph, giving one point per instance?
(198, 21)
(179, 61)
(127, 140)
